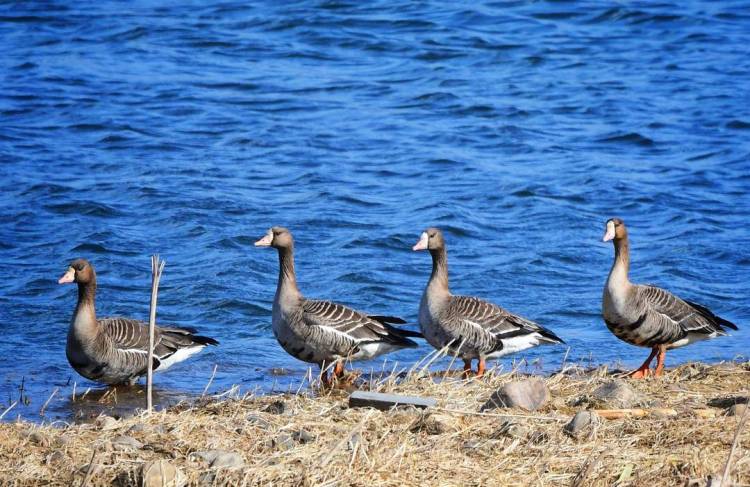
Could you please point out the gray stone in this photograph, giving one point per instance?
(425, 423)
(56, 456)
(228, 460)
(137, 428)
(303, 436)
(616, 394)
(258, 421)
(125, 443)
(528, 394)
(276, 407)
(221, 458)
(105, 423)
(39, 439)
(161, 473)
(65, 440)
(284, 442)
(736, 409)
(538, 437)
(509, 429)
(584, 422)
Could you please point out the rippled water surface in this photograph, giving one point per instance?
(128, 129)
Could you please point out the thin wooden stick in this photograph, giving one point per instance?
(210, 380)
(8, 409)
(735, 441)
(41, 411)
(90, 469)
(157, 266)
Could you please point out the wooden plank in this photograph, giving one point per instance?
(384, 402)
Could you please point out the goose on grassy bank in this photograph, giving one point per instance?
(648, 316)
(470, 327)
(115, 350)
(323, 332)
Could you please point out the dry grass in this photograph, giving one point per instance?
(453, 445)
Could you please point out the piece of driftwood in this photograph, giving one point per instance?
(384, 402)
(641, 413)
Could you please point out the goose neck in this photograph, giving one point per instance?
(439, 276)
(287, 284)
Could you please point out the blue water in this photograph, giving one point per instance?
(128, 129)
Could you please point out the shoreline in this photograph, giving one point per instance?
(676, 430)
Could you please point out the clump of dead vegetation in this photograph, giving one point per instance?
(676, 430)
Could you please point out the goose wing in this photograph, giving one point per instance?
(675, 317)
(485, 326)
(341, 329)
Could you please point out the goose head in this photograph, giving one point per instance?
(277, 237)
(79, 271)
(431, 239)
(615, 230)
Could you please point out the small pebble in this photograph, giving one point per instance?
(276, 407)
(105, 423)
(39, 439)
(258, 421)
(582, 422)
(303, 436)
(161, 473)
(124, 443)
(283, 442)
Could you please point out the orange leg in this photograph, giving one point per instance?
(480, 367)
(338, 370)
(643, 371)
(467, 368)
(660, 360)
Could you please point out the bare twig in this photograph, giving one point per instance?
(8, 409)
(157, 266)
(89, 470)
(735, 441)
(41, 411)
(213, 374)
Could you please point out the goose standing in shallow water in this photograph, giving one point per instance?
(648, 316)
(471, 327)
(322, 332)
(115, 350)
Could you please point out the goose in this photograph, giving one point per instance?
(648, 316)
(470, 327)
(323, 332)
(115, 350)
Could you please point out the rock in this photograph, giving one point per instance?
(221, 458)
(276, 407)
(161, 473)
(509, 429)
(427, 424)
(538, 437)
(105, 422)
(283, 442)
(137, 428)
(56, 456)
(303, 436)
(528, 394)
(584, 422)
(258, 421)
(39, 439)
(228, 460)
(616, 394)
(65, 440)
(125, 443)
(736, 409)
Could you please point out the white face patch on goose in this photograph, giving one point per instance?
(422, 244)
(610, 233)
